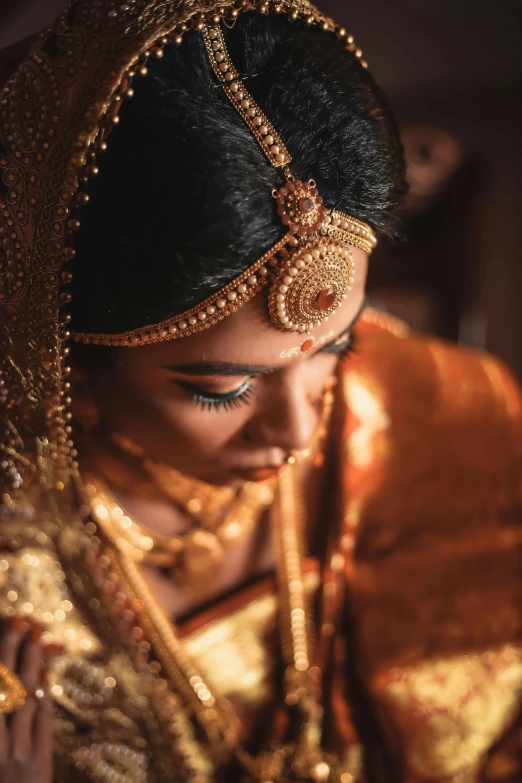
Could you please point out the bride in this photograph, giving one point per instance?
(251, 529)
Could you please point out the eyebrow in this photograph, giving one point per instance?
(230, 369)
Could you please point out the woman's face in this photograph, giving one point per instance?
(232, 402)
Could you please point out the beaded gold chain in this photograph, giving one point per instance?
(193, 559)
(294, 761)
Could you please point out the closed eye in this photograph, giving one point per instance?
(207, 400)
(344, 346)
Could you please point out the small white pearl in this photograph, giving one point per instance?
(285, 319)
(273, 262)
(280, 298)
(300, 264)
(245, 104)
(202, 316)
(302, 328)
(308, 258)
(173, 329)
(262, 271)
(211, 310)
(242, 288)
(283, 289)
(288, 280)
(252, 280)
(294, 327)
(316, 253)
(221, 303)
(281, 307)
(192, 320)
(293, 272)
(232, 296)
(182, 324)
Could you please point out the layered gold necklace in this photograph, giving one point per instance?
(194, 559)
(299, 760)
(220, 518)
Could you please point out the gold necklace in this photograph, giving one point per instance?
(194, 559)
(292, 762)
(206, 503)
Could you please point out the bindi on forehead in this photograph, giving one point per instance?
(310, 344)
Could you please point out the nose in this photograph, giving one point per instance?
(286, 417)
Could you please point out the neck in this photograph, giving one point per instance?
(131, 484)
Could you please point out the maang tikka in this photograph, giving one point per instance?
(310, 270)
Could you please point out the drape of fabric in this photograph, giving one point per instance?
(424, 663)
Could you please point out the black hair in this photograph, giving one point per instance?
(182, 203)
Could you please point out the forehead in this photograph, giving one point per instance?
(249, 337)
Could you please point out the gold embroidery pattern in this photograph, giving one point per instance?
(452, 711)
(263, 130)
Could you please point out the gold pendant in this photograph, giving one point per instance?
(201, 562)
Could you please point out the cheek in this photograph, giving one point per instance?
(166, 422)
(203, 431)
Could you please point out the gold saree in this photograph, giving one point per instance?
(421, 635)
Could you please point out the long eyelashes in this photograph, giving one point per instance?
(207, 401)
(225, 402)
(344, 349)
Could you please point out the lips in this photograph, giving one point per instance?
(260, 474)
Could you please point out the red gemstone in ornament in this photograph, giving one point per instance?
(327, 297)
(307, 345)
(306, 205)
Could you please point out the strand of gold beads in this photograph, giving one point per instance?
(300, 761)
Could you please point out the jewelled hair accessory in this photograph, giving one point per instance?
(310, 270)
(57, 113)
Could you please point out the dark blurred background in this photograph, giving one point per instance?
(452, 70)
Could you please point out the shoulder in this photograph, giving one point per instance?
(426, 415)
(422, 375)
